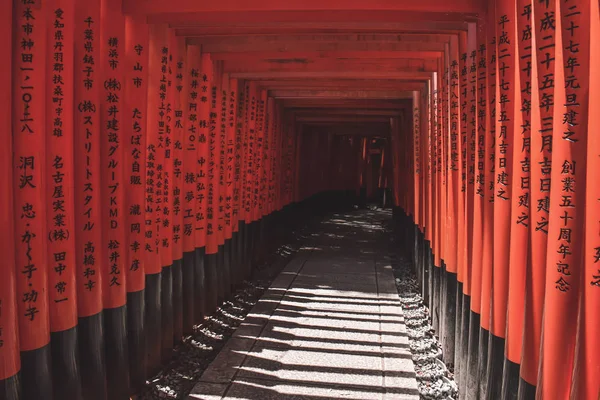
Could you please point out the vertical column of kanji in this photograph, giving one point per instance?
(134, 142)
(179, 101)
(461, 251)
(90, 260)
(203, 290)
(112, 113)
(543, 83)
(245, 120)
(10, 363)
(250, 170)
(155, 117)
(224, 234)
(231, 217)
(212, 176)
(60, 199)
(519, 230)
(470, 154)
(193, 285)
(259, 151)
(217, 170)
(239, 178)
(434, 262)
(262, 123)
(470, 381)
(429, 187)
(164, 192)
(452, 202)
(488, 211)
(29, 158)
(505, 127)
(567, 199)
(417, 155)
(587, 384)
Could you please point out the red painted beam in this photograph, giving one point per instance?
(232, 46)
(195, 6)
(246, 56)
(348, 94)
(317, 19)
(410, 76)
(322, 65)
(378, 84)
(347, 103)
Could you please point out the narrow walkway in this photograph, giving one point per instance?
(329, 327)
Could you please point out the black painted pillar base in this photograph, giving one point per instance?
(526, 390)
(200, 290)
(465, 323)
(136, 337)
(36, 373)
(458, 331)
(65, 364)
(495, 366)
(435, 308)
(449, 315)
(166, 299)
(91, 355)
(472, 386)
(117, 353)
(188, 306)
(227, 275)
(430, 275)
(211, 282)
(220, 276)
(10, 388)
(510, 380)
(484, 337)
(176, 270)
(153, 324)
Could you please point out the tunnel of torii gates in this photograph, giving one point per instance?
(152, 150)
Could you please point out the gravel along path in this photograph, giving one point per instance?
(436, 382)
(197, 351)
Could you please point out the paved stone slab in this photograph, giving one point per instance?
(330, 327)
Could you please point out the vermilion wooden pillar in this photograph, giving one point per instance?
(586, 383)
(224, 219)
(520, 200)
(10, 362)
(202, 286)
(90, 261)
(193, 284)
(113, 245)
(212, 246)
(543, 78)
(179, 102)
(134, 167)
(28, 165)
(156, 120)
(488, 212)
(470, 383)
(567, 199)
(59, 178)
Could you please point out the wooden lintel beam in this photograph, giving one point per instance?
(246, 56)
(339, 112)
(410, 76)
(313, 45)
(343, 119)
(311, 84)
(321, 65)
(339, 20)
(362, 104)
(146, 7)
(333, 94)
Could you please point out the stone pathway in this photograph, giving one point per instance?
(329, 327)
